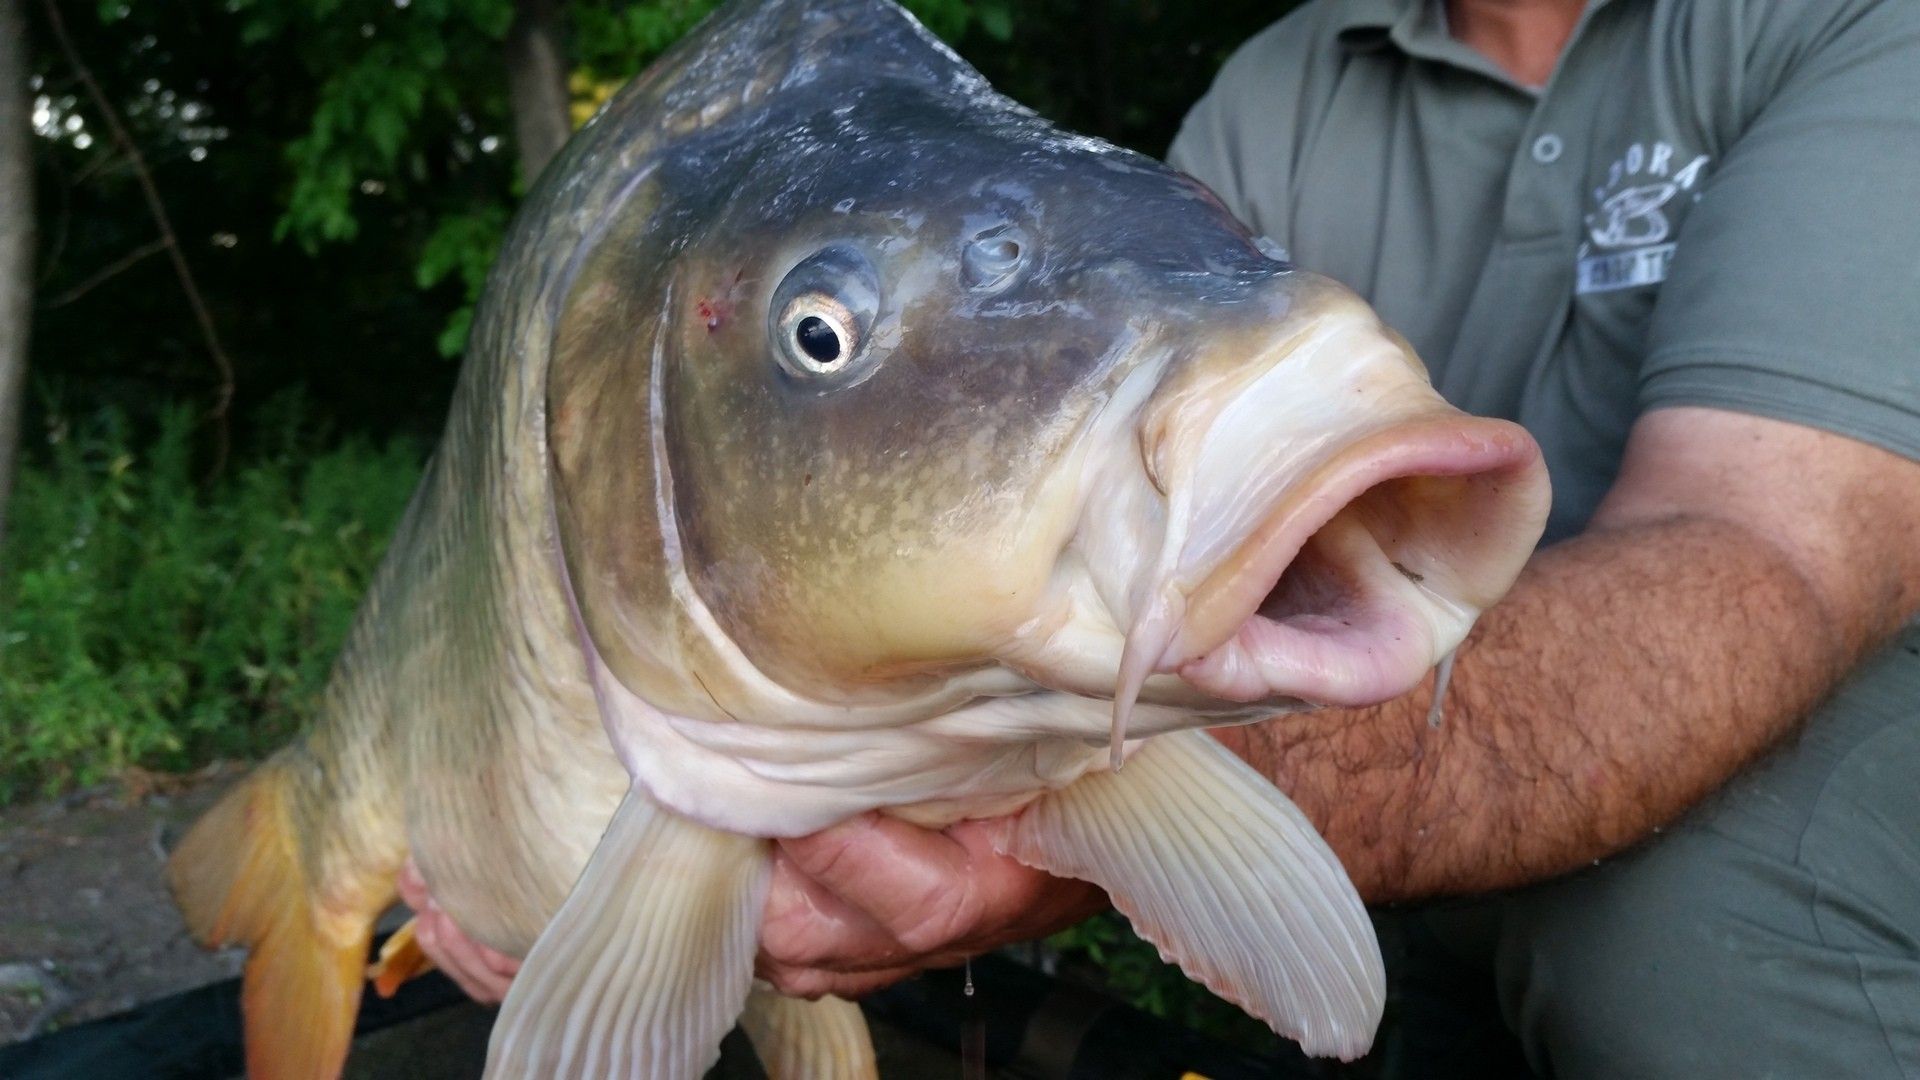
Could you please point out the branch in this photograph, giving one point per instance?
(224, 397)
(98, 164)
(151, 247)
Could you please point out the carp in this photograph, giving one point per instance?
(836, 435)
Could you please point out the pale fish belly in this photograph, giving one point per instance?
(538, 807)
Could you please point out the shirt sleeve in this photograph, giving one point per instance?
(1238, 139)
(1203, 149)
(1794, 290)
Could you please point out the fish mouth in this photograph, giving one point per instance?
(1367, 571)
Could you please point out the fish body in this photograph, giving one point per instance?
(836, 435)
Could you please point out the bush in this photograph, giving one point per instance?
(1105, 953)
(147, 619)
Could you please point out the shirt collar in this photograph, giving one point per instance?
(1371, 23)
(1366, 25)
(1419, 29)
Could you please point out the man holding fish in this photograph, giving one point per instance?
(1678, 242)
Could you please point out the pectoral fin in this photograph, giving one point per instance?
(1228, 878)
(809, 1040)
(648, 962)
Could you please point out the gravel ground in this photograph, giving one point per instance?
(86, 925)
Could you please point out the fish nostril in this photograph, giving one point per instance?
(991, 260)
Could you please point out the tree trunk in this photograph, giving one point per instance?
(16, 240)
(537, 84)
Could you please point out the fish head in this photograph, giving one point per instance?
(1291, 516)
(921, 398)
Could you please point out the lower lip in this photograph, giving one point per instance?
(1375, 636)
(1351, 662)
(1368, 644)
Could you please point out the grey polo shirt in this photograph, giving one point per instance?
(1713, 202)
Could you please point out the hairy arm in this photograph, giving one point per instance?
(1738, 568)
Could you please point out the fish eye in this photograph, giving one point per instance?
(818, 333)
(822, 313)
(991, 259)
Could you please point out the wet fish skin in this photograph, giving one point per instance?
(665, 590)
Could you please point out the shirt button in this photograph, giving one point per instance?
(1547, 148)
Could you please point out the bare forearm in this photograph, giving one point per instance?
(1628, 674)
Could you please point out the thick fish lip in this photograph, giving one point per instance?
(1369, 570)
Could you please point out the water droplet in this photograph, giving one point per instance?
(973, 1033)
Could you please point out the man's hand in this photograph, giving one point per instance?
(483, 973)
(851, 909)
(874, 900)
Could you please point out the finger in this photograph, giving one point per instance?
(412, 887)
(426, 933)
(481, 984)
(499, 963)
(458, 957)
(814, 983)
(918, 885)
(489, 987)
(930, 890)
(806, 925)
(482, 972)
(1033, 901)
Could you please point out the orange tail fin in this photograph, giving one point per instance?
(239, 879)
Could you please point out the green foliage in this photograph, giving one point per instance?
(954, 19)
(461, 247)
(146, 620)
(411, 108)
(412, 105)
(390, 89)
(615, 40)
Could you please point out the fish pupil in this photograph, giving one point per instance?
(817, 339)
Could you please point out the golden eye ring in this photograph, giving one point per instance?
(818, 335)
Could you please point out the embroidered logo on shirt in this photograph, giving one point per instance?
(1630, 225)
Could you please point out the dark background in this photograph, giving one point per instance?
(338, 172)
